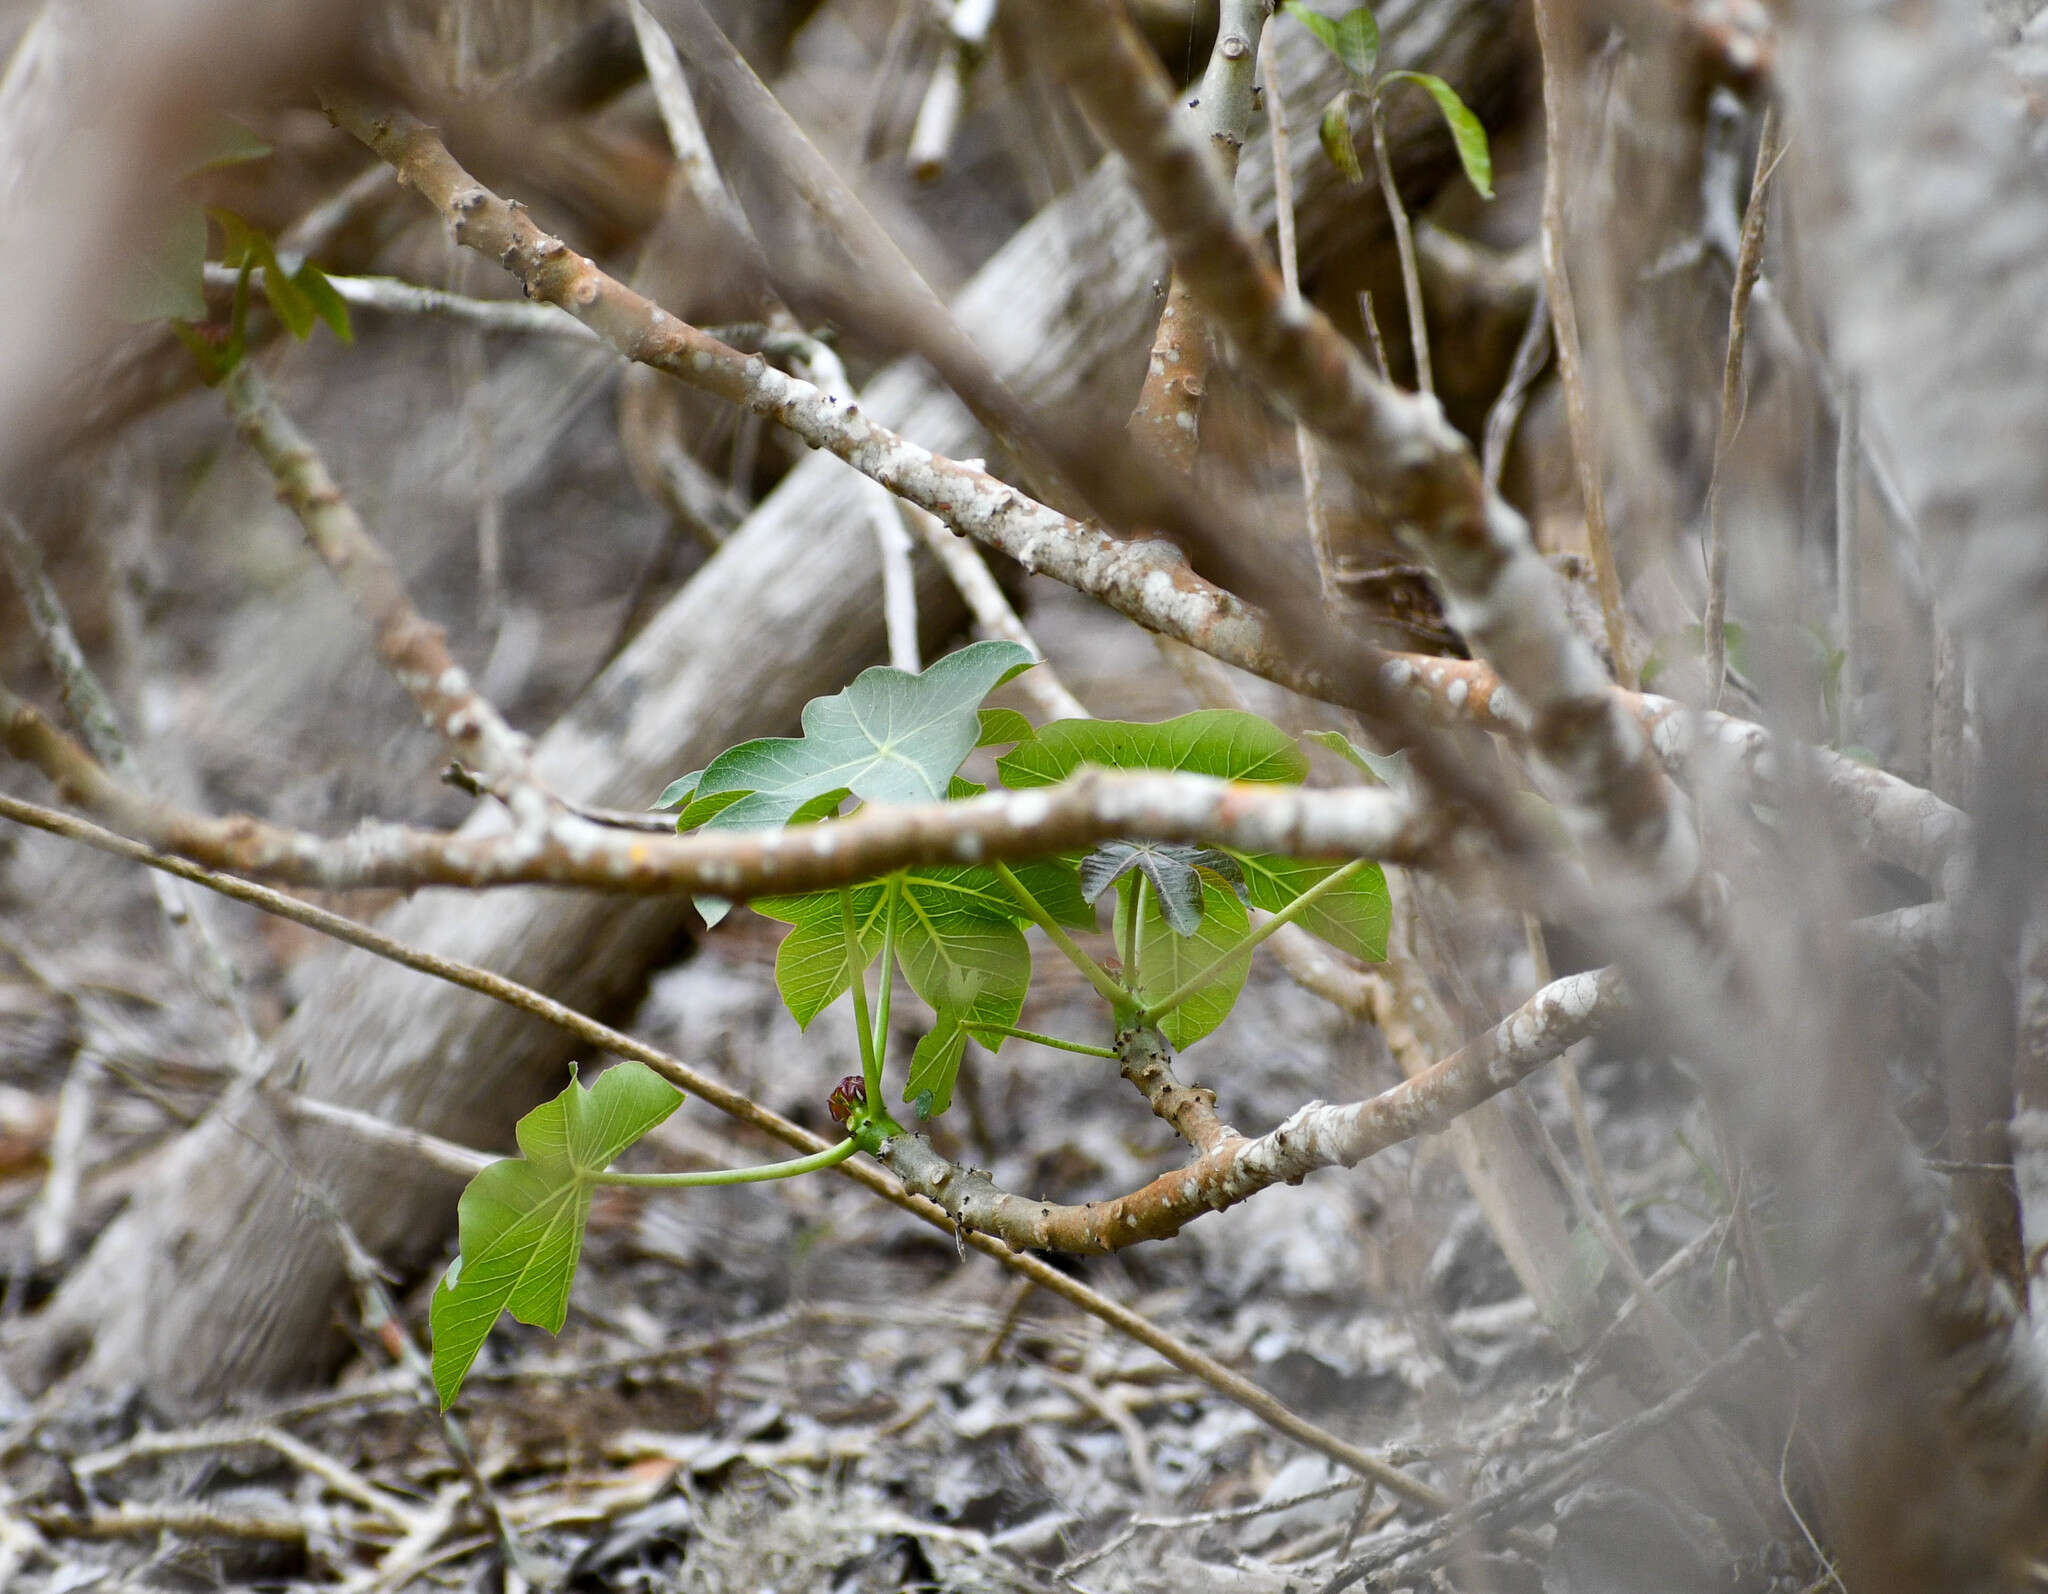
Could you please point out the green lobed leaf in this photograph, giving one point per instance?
(1167, 960)
(1382, 769)
(957, 935)
(1208, 742)
(1466, 131)
(677, 793)
(1057, 886)
(521, 1220)
(1334, 130)
(935, 1064)
(1353, 916)
(888, 737)
(1001, 726)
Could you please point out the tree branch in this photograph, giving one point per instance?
(412, 648)
(1317, 1136)
(1503, 596)
(568, 851)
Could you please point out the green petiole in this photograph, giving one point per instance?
(1012, 1033)
(1098, 976)
(870, 1058)
(881, 1043)
(721, 1176)
(1134, 925)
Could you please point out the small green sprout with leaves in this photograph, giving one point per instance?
(955, 936)
(1354, 39)
(170, 286)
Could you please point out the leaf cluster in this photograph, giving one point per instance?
(956, 935)
(169, 285)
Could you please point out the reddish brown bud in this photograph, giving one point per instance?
(849, 1093)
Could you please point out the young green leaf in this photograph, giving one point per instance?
(1168, 960)
(1324, 28)
(1057, 887)
(678, 792)
(957, 941)
(522, 1219)
(1466, 132)
(1382, 769)
(328, 305)
(1358, 41)
(889, 737)
(935, 1064)
(1001, 727)
(1173, 869)
(1352, 916)
(1353, 38)
(1208, 742)
(289, 302)
(1334, 130)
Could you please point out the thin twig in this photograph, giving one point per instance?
(1574, 1094)
(1558, 74)
(341, 1479)
(1531, 354)
(992, 611)
(1404, 248)
(1748, 263)
(1168, 413)
(1848, 571)
(1305, 453)
(410, 647)
(394, 296)
(195, 943)
(1436, 1542)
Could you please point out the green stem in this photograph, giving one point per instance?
(1151, 1013)
(1137, 923)
(1404, 242)
(888, 975)
(1098, 976)
(717, 1176)
(1032, 1035)
(856, 963)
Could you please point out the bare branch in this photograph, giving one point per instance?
(1317, 1136)
(394, 296)
(1094, 806)
(1160, 594)
(414, 650)
(1168, 415)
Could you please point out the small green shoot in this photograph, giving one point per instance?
(1354, 39)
